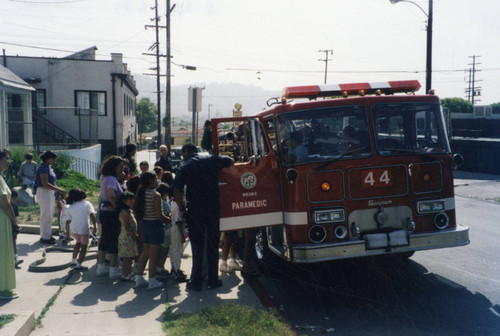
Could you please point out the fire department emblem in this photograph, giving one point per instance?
(248, 180)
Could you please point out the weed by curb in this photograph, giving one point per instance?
(6, 318)
(38, 321)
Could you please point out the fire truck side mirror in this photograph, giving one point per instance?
(458, 160)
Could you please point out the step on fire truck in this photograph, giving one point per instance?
(353, 170)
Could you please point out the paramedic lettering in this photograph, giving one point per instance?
(249, 204)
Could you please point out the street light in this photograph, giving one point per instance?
(428, 65)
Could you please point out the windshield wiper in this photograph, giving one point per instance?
(340, 157)
(412, 151)
(401, 150)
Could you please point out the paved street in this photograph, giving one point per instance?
(452, 291)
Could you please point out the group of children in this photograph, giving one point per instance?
(78, 216)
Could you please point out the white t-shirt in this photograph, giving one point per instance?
(79, 213)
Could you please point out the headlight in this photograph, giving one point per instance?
(329, 216)
(430, 206)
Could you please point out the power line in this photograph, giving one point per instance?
(63, 50)
(48, 2)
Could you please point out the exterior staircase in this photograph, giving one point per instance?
(46, 132)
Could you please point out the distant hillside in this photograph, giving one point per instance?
(222, 97)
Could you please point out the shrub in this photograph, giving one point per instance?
(62, 164)
(16, 158)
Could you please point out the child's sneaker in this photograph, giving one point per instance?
(73, 263)
(234, 265)
(115, 273)
(79, 267)
(102, 270)
(224, 268)
(140, 282)
(179, 276)
(153, 283)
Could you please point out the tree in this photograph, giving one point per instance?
(495, 108)
(147, 115)
(457, 105)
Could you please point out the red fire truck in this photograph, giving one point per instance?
(341, 171)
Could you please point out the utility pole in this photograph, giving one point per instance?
(325, 60)
(156, 46)
(168, 114)
(428, 62)
(473, 90)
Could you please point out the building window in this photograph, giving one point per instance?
(128, 106)
(15, 110)
(87, 101)
(39, 101)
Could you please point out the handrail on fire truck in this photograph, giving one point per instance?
(339, 90)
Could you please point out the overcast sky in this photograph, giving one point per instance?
(272, 43)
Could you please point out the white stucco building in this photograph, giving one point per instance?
(81, 98)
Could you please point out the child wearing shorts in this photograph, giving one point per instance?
(148, 207)
(78, 215)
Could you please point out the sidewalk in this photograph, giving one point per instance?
(89, 305)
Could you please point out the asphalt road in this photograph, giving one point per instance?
(453, 291)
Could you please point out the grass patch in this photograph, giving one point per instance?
(30, 214)
(6, 318)
(73, 179)
(226, 319)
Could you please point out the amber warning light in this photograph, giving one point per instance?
(332, 90)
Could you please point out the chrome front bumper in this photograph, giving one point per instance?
(309, 253)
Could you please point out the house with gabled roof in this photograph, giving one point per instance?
(15, 110)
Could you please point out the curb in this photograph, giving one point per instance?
(35, 229)
(23, 324)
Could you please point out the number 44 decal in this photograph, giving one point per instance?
(377, 178)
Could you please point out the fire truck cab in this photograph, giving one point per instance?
(353, 170)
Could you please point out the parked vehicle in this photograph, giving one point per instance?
(354, 170)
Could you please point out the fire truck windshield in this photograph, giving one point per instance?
(324, 134)
(341, 133)
(406, 128)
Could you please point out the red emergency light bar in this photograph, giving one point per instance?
(314, 91)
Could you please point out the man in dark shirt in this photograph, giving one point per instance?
(206, 140)
(130, 151)
(164, 161)
(200, 175)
